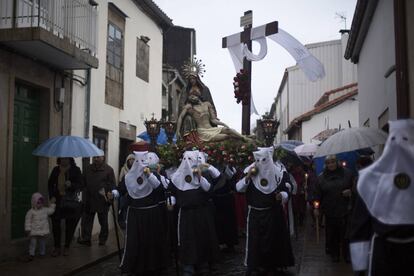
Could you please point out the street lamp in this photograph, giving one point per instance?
(153, 129)
(169, 128)
(269, 127)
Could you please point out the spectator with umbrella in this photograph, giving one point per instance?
(65, 182)
(64, 185)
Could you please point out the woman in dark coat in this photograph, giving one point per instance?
(64, 185)
(333, 191)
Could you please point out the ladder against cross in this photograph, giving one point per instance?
(246, 37)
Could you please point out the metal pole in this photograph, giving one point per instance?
(247, 67)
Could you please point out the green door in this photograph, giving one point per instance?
(25, 165)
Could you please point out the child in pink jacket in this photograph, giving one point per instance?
(37, 224)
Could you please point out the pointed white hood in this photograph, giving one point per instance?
(387, 186)
(135, 181)
(265, 181)
(184, 178)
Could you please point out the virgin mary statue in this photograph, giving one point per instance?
(192, 70)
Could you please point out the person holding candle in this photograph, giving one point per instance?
(333, 192)
(268, 247)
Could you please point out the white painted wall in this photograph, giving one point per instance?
(300, 95)
(140, 98)
(282, 114)
(376, 93)
(303, 94)
(78, 105)
(349, 70)
(331, 118)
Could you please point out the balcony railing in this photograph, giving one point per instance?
(74, 20)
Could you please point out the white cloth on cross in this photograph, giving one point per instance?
(237, 51)
(262, 53)
(310, 65)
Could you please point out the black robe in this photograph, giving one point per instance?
(225, 212)
(267, 240)
(392, 246)
(145, 250)
(160, 194)
(196, 233)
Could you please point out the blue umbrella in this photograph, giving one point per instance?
(68, 146)
(349, 157)
(162, 138)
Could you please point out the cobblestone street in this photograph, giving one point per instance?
(310, 257)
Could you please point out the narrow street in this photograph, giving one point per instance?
(163, 126)
(310, 256)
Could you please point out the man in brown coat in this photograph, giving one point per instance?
(99, 178)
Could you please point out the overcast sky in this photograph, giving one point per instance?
(308, 21)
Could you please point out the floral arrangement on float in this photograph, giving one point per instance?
(236, 153)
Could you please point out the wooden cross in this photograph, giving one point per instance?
(246, 21)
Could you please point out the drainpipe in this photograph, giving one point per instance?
(85, 161)
(87, 104)
(62, 108)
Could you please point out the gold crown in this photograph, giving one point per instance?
(193, 67)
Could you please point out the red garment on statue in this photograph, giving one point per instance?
(191, 138)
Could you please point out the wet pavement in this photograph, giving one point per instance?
(310, 258)
(314, 261)
(229, 264)
(79, 258)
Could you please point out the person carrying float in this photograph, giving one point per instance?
(197, 241)
(268, 247)
(225, 213)
(145, 251)
(382, 226)
(164, 199)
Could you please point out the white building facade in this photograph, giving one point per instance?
(339, 112)
(126, 89)
(381, 39)
(297, 95)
